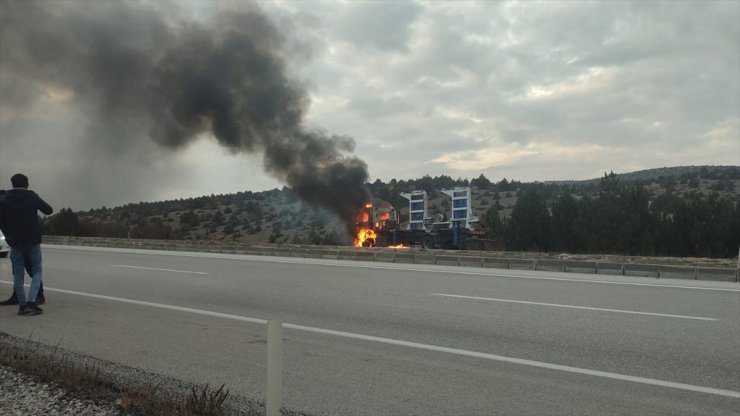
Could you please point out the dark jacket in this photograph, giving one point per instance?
(19, 219)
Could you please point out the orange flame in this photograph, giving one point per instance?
(363, 235)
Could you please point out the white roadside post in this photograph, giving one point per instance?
(273, 389)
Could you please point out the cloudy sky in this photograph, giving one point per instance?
(522, 90)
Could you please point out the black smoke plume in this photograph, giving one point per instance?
(141, 69)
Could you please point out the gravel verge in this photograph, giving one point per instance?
(24, 393)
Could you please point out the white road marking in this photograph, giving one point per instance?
(699, 318)
(359, 265)
(531, 363)
(562, 279)
(427, 347)
(157, 269)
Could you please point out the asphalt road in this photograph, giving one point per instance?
(392, 339)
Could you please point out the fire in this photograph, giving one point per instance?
(363, 236)
(374, 222)
(399, 246)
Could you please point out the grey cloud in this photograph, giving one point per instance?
(18, 94)
(670, 75)
(379, 107)
(375, 24)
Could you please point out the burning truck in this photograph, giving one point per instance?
(378, 224)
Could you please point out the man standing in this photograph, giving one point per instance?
(19, 222)
(13, 299)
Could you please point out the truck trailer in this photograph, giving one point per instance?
(378, 224)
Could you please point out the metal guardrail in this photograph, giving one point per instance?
(439, 257)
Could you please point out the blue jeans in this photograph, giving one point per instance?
(18, 256)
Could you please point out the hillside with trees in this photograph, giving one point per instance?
(679, 211)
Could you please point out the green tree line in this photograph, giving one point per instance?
(620, 219)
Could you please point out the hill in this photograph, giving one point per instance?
(278, 216)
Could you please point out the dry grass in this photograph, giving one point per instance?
(86, 380)
(151, 400)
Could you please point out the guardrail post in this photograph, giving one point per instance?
(274, 385)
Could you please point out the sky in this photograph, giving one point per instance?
(532, 91)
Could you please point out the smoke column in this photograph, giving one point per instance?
(137, 70)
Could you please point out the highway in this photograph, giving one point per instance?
(365, 338)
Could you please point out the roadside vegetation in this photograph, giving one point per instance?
(689, 211)
(85, 379)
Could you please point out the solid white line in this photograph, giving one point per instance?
(154, 305)
(492, 274)
(359, 265)
(154, 268)
(699, 318)
(427, 347)
(539, 364)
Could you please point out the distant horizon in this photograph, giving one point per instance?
(698, 167)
